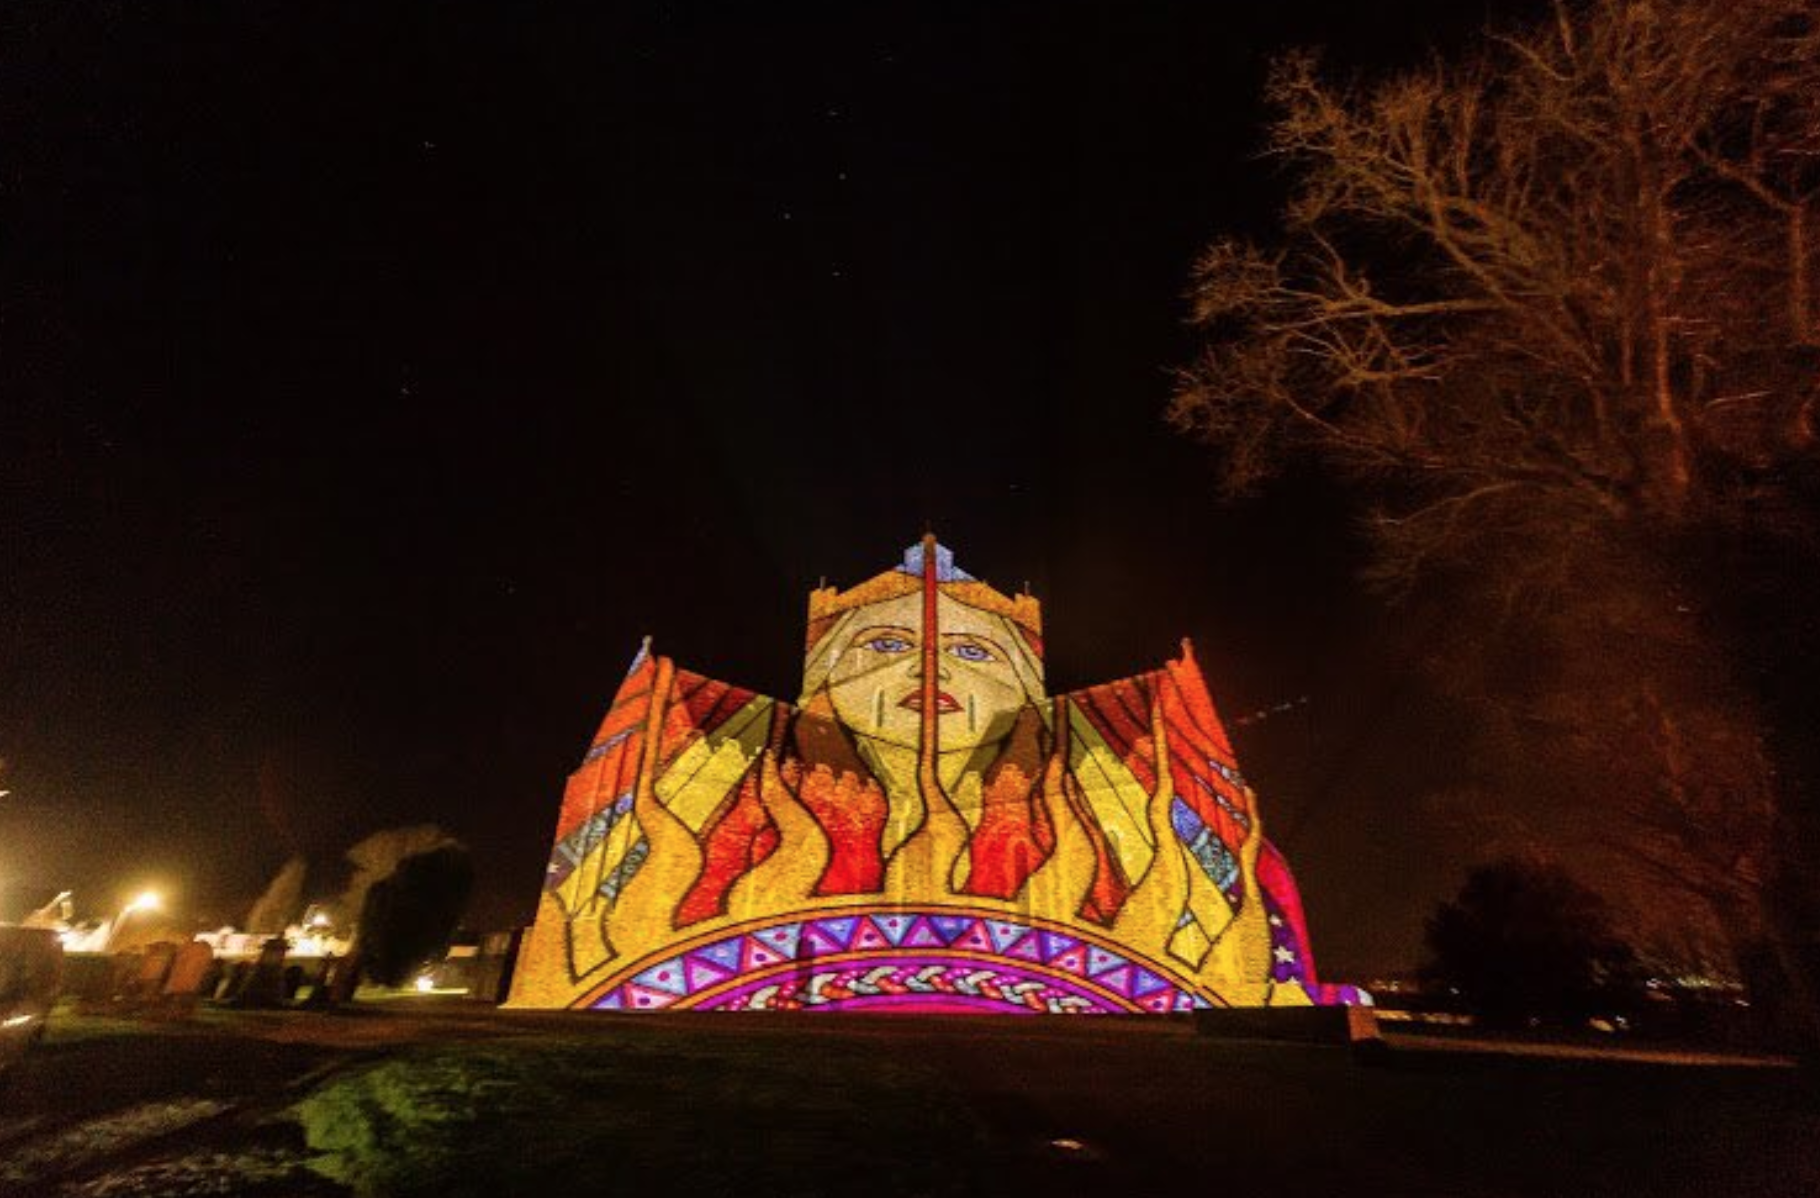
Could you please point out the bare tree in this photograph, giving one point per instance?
(408, 917)
(378, 857)
(378, 861)
(1552, 309)
(282, 901)
(1573, 271)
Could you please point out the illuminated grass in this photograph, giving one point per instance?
(614, 1113)
(67, 1025)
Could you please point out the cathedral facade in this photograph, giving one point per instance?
(924, 829)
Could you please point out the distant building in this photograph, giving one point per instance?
(925, 829)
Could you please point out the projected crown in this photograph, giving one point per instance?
(829, 603)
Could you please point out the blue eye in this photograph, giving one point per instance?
(887, 644)
(968, 651)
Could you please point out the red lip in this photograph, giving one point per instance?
(944, 702)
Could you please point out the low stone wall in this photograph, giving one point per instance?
(1303, 1025)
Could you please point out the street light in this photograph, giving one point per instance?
(146, 900)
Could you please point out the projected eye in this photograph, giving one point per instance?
(968, 651)
(887, 644)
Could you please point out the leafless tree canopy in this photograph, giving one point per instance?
(1552, 309)
(1576, 271)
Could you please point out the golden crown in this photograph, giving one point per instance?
(1023, 610)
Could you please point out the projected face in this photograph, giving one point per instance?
(876, 681)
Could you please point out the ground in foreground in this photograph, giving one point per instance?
(455, 1100)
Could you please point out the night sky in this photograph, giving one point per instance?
(371, 382)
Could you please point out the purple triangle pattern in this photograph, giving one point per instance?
(724, 953)
(839, 931)
(819, 941)
(951, 927)
(893, 926)
(700, 972)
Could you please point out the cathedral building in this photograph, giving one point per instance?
(925, 829)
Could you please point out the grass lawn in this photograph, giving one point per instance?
(456, 1101)
(654, 1110)
(722, 1105)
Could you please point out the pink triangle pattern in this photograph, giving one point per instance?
(755, 954)
(869, 936)
(922, 934)
(1116, 980)
(975, 939)
(638, 998)
(1030, 948)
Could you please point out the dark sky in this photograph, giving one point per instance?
(373, 377)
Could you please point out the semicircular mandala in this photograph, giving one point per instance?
(897, 958)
